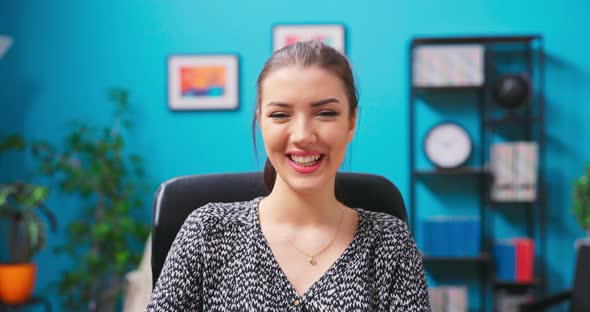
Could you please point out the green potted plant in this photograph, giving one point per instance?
(21, 206)
(107, 240)
(581, 200)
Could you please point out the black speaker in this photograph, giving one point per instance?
(512, 91)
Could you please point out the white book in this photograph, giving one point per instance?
(526, 167)
(502, 167)
(436, 297)
(456, 298)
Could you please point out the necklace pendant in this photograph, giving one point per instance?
(311, 261)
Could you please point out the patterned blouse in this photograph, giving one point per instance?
(220, 261)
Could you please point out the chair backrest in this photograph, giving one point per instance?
(581, 291)
(177, 198)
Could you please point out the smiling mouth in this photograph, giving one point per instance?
(306, 161)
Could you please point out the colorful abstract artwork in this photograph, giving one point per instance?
(332, 35)
(290, 39)
(203, 82)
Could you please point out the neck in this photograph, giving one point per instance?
(319, 207)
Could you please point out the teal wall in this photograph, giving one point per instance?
(66, 53)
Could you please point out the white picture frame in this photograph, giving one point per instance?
(203, 82)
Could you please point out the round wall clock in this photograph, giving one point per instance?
(448, 145)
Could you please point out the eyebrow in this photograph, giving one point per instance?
(313, 104)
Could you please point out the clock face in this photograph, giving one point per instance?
(448, 145)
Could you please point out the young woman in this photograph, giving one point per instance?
(299, 248)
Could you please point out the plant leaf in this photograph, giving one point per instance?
(12, 142)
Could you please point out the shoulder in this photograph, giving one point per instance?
(222, 215)
(384, 223)
(388, 230)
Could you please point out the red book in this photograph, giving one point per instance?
(525, 255)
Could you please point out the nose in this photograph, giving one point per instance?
(303, 132)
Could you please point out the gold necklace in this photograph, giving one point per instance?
(312, 258)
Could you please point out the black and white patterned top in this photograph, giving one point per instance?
(220, 261)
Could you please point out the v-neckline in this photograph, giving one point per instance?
(342, 260)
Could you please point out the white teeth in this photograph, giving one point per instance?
(305, 160)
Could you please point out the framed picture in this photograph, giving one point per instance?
(448, 65)
(330, 34)
(203, 82)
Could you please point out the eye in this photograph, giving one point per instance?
(278, 115)
(328, 113)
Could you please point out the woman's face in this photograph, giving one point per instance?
(306, 125)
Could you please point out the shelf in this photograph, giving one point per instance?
(465, 171)
(510, 120)
(483, 258)
(511, 203)
(448, 89)
(475, 39)
(516, 285)
(492, 120)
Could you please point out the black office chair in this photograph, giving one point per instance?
(177, 198)
(579, 295)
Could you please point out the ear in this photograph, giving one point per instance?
(352, 125)
(257, 113)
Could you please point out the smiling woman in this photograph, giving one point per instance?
(299, 248)
(305, 128)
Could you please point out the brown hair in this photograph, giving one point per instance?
(306, 54)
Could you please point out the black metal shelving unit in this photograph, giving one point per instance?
(482, 258)
(491, 119)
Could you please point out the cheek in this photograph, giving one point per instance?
(338, 139)
(272, 137)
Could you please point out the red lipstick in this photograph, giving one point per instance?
(301, 169)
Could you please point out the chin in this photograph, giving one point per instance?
(307, 184)
(299, 181)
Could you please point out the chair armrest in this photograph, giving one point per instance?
(542, 304)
